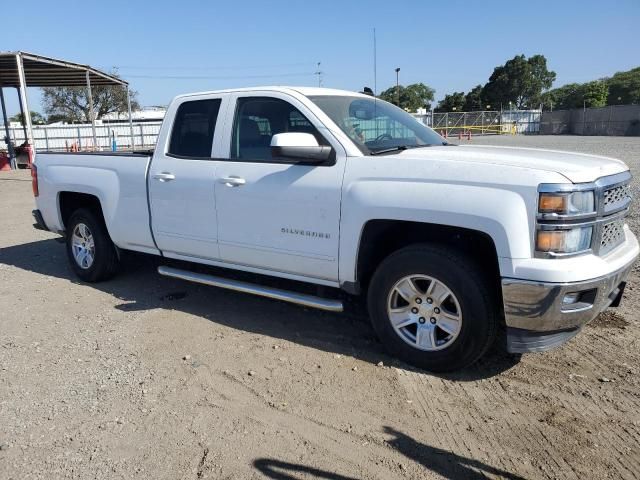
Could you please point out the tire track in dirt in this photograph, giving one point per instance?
(519, 427)
(552, 426)
(446, 436)
(239, 401)
(612, 412)
(477, 442)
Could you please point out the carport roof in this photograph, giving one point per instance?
(42, 71)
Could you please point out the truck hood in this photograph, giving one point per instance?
(576, 167)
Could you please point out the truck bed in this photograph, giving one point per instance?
(117, 179)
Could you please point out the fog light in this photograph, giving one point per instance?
(571, 298)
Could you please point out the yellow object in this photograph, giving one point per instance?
(552, 203)
(550, 241)
(493, 128)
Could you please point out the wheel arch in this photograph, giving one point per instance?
(380, 238)
(70, 201)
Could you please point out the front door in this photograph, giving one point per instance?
(272, 213)
(182, 179)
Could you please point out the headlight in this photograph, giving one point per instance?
(566, 240)
(567, 203)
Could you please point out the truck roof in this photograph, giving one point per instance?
(307, 91)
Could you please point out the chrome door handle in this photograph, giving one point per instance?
(233, 181)
(164, 176)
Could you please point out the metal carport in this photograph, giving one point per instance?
(21, 70)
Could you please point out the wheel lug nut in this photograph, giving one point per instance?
(429, 300)
(432, 320)
(414, 310)
(436, 310)
(418, 301)
(421, 320)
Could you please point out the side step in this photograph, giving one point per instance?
(262, 291)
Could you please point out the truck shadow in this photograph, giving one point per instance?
(139, 287)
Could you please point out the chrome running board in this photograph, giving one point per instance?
(262, 291)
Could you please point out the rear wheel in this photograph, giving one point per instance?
(91, 252)
(431, 307)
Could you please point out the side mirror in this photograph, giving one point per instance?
(299, 146)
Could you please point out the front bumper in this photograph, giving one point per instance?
(538, 317)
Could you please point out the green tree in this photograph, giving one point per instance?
(412, 97)
(576, 95)
(71, 104)
(473, 100)
(451, 102)
(520, 81)
(36, 118)
(624, 87)
(595, 93)
(562, 98)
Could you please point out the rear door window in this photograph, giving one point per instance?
(193, 128)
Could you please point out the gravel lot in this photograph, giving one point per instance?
(147, 377)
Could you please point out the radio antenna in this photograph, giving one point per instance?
(375, 66)
(375, 82)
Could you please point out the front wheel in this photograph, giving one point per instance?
(91, 252)
(432, 308)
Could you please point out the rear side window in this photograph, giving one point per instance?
(193, 128)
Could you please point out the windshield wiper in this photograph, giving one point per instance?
(389, 150)
(400, 147)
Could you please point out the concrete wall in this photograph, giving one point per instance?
(612, 120)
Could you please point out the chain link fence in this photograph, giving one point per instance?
(487, 122)
(612, 120)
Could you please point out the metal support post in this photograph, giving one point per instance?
(92, 113)
(23, 122)
(130, 118)
(24, 105)
(7, 139)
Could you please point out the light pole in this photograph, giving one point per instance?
(398, 86)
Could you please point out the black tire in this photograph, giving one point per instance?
(464, 279)
(105, 258)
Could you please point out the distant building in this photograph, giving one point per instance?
(147, 114)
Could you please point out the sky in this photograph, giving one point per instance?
(164, 48)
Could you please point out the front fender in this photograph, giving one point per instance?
(500, 213)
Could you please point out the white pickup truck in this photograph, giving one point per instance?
(452, 244)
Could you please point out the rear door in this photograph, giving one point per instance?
(182, 178)
(275, 214)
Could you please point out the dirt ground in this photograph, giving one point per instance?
(148, 377)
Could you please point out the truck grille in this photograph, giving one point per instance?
(612, 235)
(616, 197)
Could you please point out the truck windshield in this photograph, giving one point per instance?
(376, 126)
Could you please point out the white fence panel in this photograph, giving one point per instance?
(61, 138)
